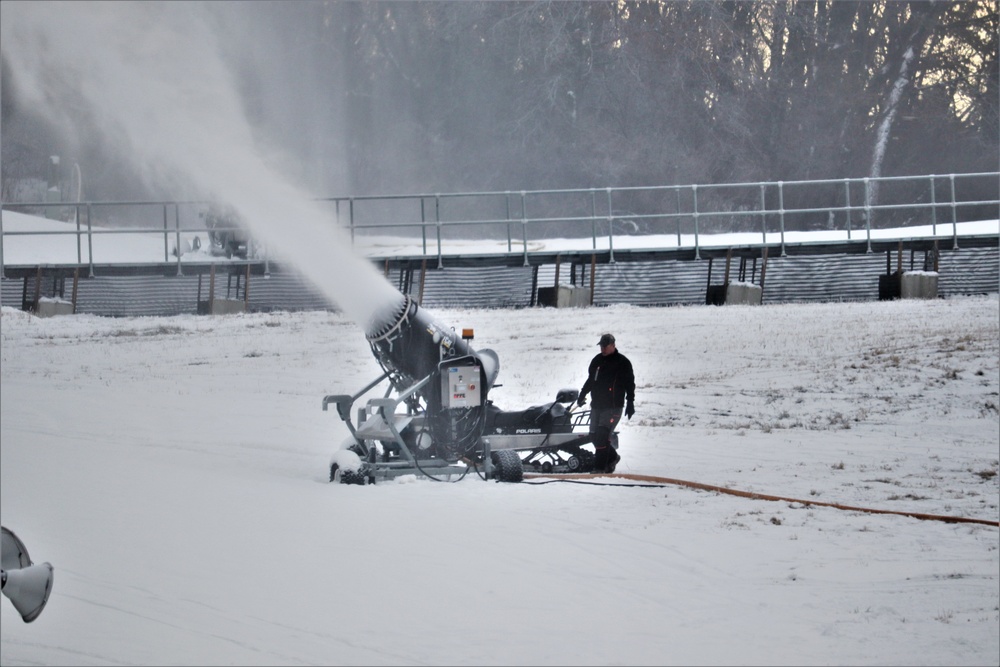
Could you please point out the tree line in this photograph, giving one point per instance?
(376, 97)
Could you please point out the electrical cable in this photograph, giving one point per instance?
(437, 479)
(416, 463)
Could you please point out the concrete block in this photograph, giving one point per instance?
(746, 294)
(228, 306)
(569, 296)
(919, 285)
(49, 307)
(221, 307)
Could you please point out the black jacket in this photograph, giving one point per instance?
(610, 381)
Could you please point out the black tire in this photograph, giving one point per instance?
(361, 476)
(507, 466)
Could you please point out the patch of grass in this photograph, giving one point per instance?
(908, 496)
(162, 330)
(945, 616)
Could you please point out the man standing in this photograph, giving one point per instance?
(611, 385)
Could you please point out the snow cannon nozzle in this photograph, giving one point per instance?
(410, 344)
(388, 318)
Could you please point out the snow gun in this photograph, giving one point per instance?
(435, 418)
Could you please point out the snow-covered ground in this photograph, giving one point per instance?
(174, 471)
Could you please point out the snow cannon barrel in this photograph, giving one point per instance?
(410, 344)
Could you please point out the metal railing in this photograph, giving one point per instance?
(687, 212)
(599, 218)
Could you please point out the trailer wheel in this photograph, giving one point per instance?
(507, 466)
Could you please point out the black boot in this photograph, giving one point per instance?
(613, 460)
(600, 459)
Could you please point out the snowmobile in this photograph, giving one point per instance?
(435, 418)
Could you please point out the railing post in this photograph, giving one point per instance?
(524, 227)
(437, 220)
(524, 207)
(90, 243)
(593, 222)
(781, 214)
(868, 213)
(847, 199)
(933, 208)
(423, 227)
(611, 235)
(506, 199)
(694, 213)
(677, 210)
(954, 213)
(79, 240)
(177, 227)
(166, 235)
(763, 215)
(593, 219)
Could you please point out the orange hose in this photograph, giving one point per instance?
(762, 496)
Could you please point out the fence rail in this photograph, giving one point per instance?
(603, 218)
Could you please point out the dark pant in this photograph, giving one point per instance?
(602, 422)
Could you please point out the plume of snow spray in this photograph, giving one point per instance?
(151, 75)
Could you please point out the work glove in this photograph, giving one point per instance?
(580, 401)
(630, 409)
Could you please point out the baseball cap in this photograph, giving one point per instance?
(606, 339)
